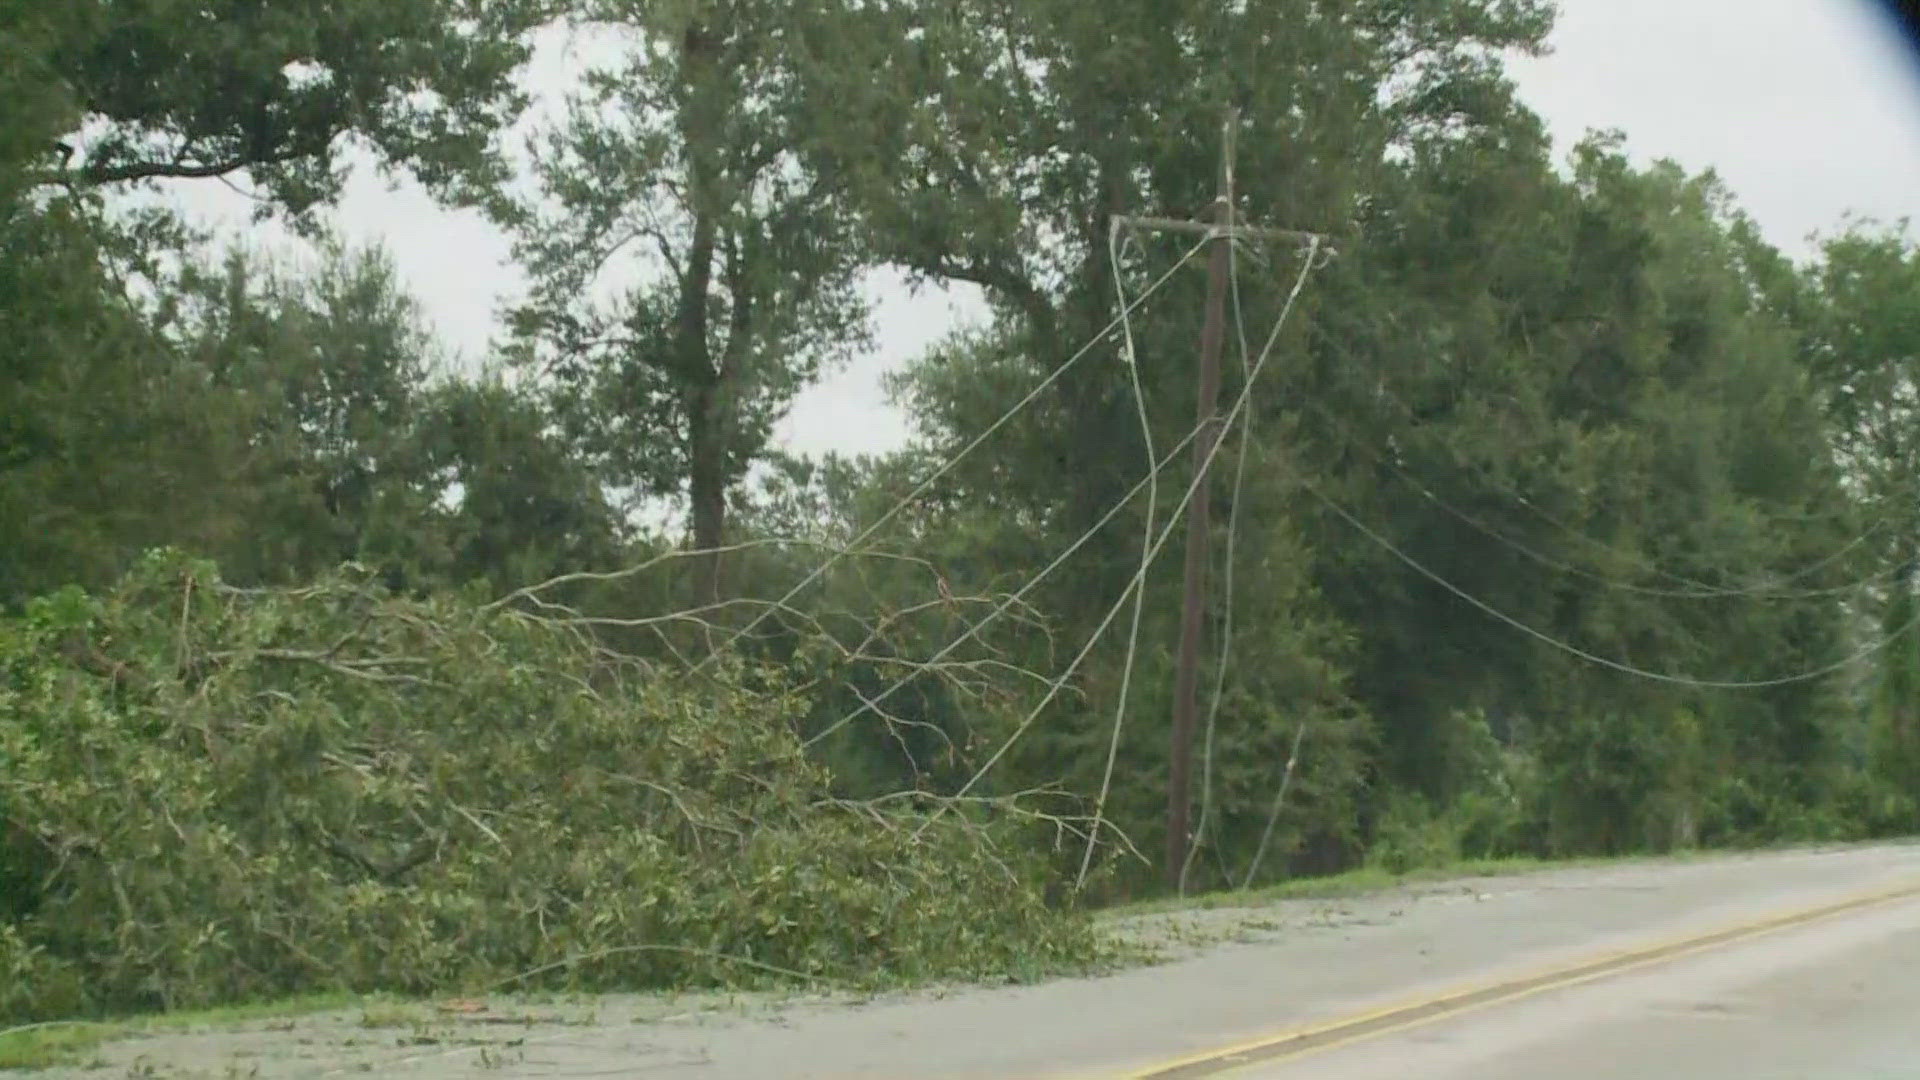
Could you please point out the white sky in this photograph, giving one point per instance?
(1808, 109)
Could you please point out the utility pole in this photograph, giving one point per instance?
(1193, 589)
(1223, 230)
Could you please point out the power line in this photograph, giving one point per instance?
(1146, 547)
(955, 459)
(1226, 585)
(870, 704)
(1592, 657)
(1693, 586)
(1553, 563)
(1240, 403)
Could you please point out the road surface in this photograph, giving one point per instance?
(1799, 964)
(1840, 998)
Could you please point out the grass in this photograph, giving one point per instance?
(42, 1046)
(1374, 879)
(1358, 882)
(67, 1042)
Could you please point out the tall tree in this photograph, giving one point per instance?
(516, 504)
(1006, 137)
(1864, 352)
(115, 431)
(108, 443)
(691, 271)
(330, 364)
(1571, 400)
(279, 89)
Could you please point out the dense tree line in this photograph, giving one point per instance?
(1559, 511)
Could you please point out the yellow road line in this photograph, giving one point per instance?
(1301, 1042)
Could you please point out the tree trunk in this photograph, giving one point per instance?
(699, 121)
(707, 487)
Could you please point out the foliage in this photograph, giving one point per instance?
(150, 395)
(179, 89)
(107, 441)
(212, 794)
(279, 421)
(516, 505)
(327, 367)
(1863, 347)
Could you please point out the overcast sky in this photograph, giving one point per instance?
(1808, 109)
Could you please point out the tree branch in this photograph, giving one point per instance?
(156, 170)
(179, 168)
(1008, 283)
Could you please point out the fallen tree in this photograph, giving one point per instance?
(211, 794)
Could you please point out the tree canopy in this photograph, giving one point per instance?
(120, 91)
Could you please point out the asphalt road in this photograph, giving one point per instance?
(1798, 964)
(1794, 964)
(1839, 998)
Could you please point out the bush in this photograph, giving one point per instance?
(1411, 835)
(212, 794)
(1870, 808)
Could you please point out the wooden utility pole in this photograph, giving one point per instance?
(1193, 589)
(1199, 510)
